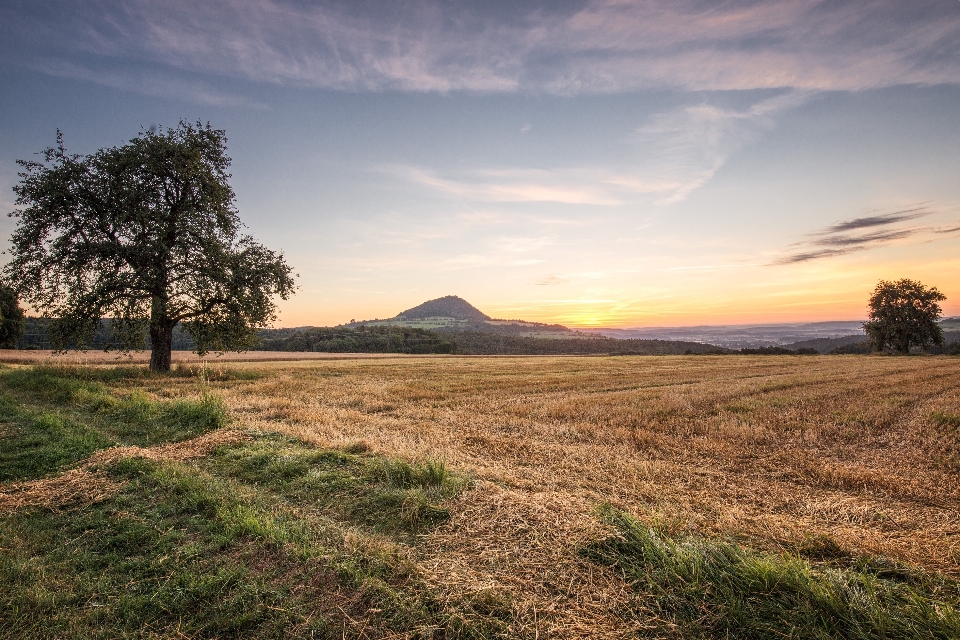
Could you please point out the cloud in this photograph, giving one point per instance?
(676, 152)
(156, 84)
(550, 280)
(514, 185)
(687, 146)
(597, 46)
(878, 221)
(860, 234)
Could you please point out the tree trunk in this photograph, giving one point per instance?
(161, 343)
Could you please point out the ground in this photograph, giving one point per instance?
(839, 472)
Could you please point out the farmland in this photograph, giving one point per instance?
(530, 481)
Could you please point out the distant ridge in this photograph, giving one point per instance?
(445, 307)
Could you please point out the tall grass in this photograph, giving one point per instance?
(719, 589)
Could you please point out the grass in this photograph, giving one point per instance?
(166, 554)
(386, 496)
(182, 552)
(58, 416)
(702, 588)
(266, 538)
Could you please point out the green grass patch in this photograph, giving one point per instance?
(175, 553)
(182, 551)
(35, 443)
(137, 419)
(386, 496)
(57, 416)
(702, 588)
(945, 420)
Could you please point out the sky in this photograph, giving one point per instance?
(617, 163)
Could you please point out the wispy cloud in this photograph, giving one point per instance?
(686, 147)
(600, 46)
(676, 152)
(550, 281)
(515, 185)
(157, 84)
(868, 222)
(867, 232)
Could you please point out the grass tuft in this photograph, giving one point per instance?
(386, 496)
(718, 589)
(949, 421)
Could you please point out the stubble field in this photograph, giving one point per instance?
(827, 460)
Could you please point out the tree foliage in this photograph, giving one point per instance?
(12, 319)
(904, 314)
(145, 234)
(364, 339)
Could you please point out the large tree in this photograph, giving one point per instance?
(147, 235)
(904, 314)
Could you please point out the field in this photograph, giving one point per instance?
(576, 497)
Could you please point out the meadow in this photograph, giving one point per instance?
(568, 497)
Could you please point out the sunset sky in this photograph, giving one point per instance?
(594, 163)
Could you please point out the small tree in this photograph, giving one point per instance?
(904, 314)
(12, 320)
(145, 234)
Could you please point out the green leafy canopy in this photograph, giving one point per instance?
(904, 314)
(12, 319)
(146, 234)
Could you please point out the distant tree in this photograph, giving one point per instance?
(904, 314)
(12, 319)
(145, 234)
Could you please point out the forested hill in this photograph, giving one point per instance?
(452, 314)
(445, 307)
(482, 343)
(374, 339)
(355, 340)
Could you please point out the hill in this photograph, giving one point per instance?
(445, 307)
(452, 314)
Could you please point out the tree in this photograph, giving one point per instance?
(904, 314)
(145, 234)
(12, 319)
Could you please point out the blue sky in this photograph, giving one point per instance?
(614, 163)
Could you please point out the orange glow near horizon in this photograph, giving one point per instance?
(814, 292)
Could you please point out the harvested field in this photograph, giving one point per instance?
(861, 448)
(841, 456)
